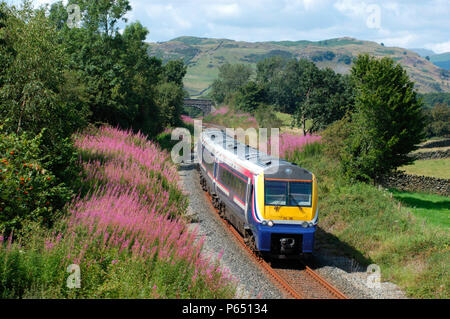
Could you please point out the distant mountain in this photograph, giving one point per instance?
(205, 55)
(423, 52)
(441, 60)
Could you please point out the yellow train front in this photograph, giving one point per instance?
(285, 210)
(271, 202)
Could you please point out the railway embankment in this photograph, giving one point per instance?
(368, 224)
(344, 272)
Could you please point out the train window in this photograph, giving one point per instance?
(233, 182)
(300, 194)
(243, 190)
(275, 193)
(284, 193)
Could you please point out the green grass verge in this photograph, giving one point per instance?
(365, 223)
(434, 209)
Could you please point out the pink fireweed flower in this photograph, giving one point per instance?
(131, 210)
(187, 119)
(289, 143)
(49, 245)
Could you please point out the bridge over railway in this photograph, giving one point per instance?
(205, 105)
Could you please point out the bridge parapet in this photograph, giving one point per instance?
(202, 104)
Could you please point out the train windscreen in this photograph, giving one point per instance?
(288, 193)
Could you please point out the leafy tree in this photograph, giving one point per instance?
(28, 190)
(170, 100)
(387, 123)
(431, 99)
(331, 100)
(269, 75)
(250, 96)
(103, 15)
(231, 78)
(37, 90)
(58, 15)
(122, 81)
(174, 71)
(307, 91)
(302, 89)
(438, 120)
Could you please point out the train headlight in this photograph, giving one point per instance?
(270, 223)
(264, 223)
(305, 224)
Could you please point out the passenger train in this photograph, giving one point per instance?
(271, 202)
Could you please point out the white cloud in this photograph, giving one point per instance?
(439, 47)
(409, 23)
(403, 41)
(302, 5)
(351, 7)
(231, 10)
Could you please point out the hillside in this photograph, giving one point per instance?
(441, 60)
(204, 55)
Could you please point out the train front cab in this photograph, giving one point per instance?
(287, 201)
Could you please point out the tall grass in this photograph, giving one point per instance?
(126, 233)
(231, 118)
(292, 145)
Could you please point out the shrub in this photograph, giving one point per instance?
(28, 190)
(335, 136)
(266, 117)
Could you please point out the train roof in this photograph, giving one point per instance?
(251, 158)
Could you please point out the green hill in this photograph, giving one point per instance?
(441, 60)
(204, 56)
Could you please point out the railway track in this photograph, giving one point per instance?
(295, 278)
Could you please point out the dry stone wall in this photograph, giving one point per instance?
(414, 183)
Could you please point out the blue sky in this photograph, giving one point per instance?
(403, 23)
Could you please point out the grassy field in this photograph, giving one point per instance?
(439, 168)
(364, 223)
(433, 209)
(432, 149)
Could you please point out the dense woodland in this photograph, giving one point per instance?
(55, 80)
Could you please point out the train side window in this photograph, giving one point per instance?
(227, 179)
(238, 188)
